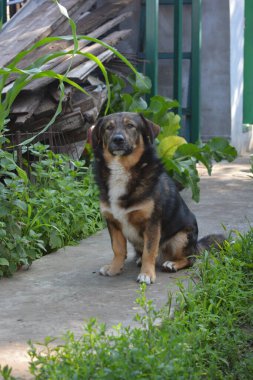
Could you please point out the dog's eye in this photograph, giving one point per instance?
(129, 125)
(109, 127)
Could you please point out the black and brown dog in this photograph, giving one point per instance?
(138, 199)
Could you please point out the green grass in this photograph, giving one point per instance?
(210, 335)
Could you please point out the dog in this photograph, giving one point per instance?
(139, 201)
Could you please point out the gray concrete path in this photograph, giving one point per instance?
(64, 289)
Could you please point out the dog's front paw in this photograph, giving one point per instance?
(110, 270)
(145, 278)
(169, 266)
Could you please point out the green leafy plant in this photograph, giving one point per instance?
(208, 335)
(58, 206)
(179, 157)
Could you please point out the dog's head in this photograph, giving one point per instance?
(121, 133)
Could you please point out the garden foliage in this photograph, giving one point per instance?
(179, 157)
(208, 336)
(58, 206)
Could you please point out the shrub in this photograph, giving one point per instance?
(57, 207)
(209, 336)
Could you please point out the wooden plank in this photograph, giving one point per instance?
(32, 28)
(63, 29)
(46, 108)
(85, 25)
(101, 30)
(69, 121)
(82, 71)
(26, 10)
(27, 104)
(62, 68)
(101, 15)
(22, 119)
(95, 49)
(82, 43)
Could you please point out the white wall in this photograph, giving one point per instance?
(236, 12)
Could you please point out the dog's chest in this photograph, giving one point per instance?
(118, 182)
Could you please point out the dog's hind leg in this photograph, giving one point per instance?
(176, 251)
(119, 246)
(174, 266)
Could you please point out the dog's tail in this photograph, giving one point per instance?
(210, 241)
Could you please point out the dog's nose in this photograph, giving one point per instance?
(118, 138)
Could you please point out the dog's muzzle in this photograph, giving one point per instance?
(118, 145)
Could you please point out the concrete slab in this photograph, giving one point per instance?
(64, 289)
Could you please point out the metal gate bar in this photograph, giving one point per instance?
(152, 55)
(151, 42)
(3, 14)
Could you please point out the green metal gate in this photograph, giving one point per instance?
(150, 20)
(248, 67)
(12, 5)
(3, 6)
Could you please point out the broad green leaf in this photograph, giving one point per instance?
(192, 150)
(170, 124)
(127, 101)
(221, 149)
(138, 104)
(4, 262)
(141, 84)
(4, 211)
(160, 104)
(20, 204)
(55, 240)
(169, 145)
(22, 174)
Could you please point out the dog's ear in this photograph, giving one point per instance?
(152, 130)
(94, 134)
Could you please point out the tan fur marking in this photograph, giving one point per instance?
(142, 214)
(130, 160)
(110, 123)
(126, 121)
(119, 246)
(182, 263)
(173, 249)
(107, 155)
(178, 243)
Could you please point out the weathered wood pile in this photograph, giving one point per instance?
(38, 101)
